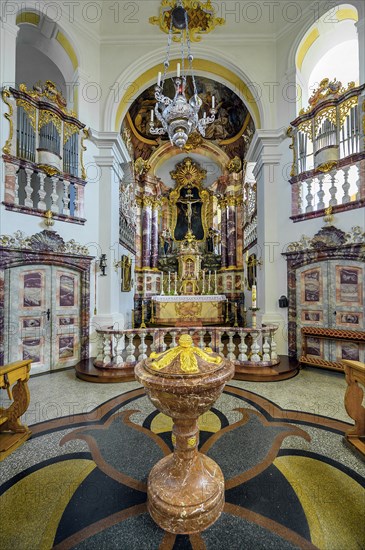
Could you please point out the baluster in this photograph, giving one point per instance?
(266, 348)
(100, 348)
(54, 195)
(220, 343)
(255, 348)
(201, 339)
(173, 339)
(66, 198)
(41, 192)
(118, 348)
(231, 346)
(130, 348)
(274, 355)
(28, 188)
(358, 183)
(16, 187)
(346, 185)
(309, 197)
(320, 193)
(154, 345)
(333, 190)
(163, 343)
(242, 348)
(142, 347)
(107, 356)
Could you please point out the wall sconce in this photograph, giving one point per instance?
(283, 301)
(102, 264)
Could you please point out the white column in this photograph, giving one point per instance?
(112, 153)
(272, 205)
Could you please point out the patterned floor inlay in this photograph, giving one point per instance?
(290, 481)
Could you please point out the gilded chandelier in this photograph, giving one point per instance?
(179, 117)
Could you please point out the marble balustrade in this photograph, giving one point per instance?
(244, 346)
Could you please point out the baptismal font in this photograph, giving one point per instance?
(185, 489)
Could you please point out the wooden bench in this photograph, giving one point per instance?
(12, 432)
(355, 376)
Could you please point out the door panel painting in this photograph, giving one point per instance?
(42, 305)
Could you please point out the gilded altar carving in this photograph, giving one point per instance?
(9, 117)
(48, 91)
(29, 109)
(46, 116)
(189, 176)
(202, 19)
(326, 90)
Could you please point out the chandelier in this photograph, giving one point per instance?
(179, 117)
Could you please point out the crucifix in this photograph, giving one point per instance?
(188, 201)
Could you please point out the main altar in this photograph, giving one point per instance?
(189, 263)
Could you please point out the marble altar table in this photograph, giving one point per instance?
(204, 309)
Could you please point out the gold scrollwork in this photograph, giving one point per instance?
(329, 113)
(48, 90)
(290, 134)
(148, 201)
(202, 19)
(345, 107)
(234, 166)
(46, 116)
(194, 140)
(231, 201)
(6, 95)
(141, 166)
(306, 127)
(326, 166)
(49, 170)
(68, 131)
(86, 135)
(30, 110)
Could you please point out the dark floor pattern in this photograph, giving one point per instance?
(281, 491)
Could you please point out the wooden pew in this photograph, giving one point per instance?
(12, 432)
(355, 377)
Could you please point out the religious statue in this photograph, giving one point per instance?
(189, 215)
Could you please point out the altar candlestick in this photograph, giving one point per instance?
(209, 274)
(162, 292)
(254, 297)
(203, 285)
(175, 290)
(215, 282)
(169, 283)
(213, 102)
(159, 79)
(144, 286)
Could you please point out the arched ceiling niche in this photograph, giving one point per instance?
(43, 53)
(231, 132)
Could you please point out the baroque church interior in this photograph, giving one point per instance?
(149, 257)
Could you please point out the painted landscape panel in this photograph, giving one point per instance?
(32, 285)
(67, 291)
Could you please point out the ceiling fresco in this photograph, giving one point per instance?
(230, 117)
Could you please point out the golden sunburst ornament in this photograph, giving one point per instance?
(187, 172)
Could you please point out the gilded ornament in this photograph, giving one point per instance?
(194, 140)
(234, 166)
(231, 201)
(49, 91)
(141, 166)
(328, 113)
(329, 217)
(290, 134)
(9, 117)
(326, 90)
(187, 172)
(187, 353)
(46, 116)
(202, 19)
(68, 131)
(345, 107)
(86, 132)
(326, 166)
(30, 110)
(49, 170)
(49, 221)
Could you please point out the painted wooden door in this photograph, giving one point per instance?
(330, 294)
(42, 314)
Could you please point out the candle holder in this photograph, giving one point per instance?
(143, 324)
(152, 312)
(235, 315)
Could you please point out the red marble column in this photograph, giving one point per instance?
(146, 231)
(154, 235)
(223, 205)
(231, 231)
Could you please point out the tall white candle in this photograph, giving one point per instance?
(162, 292)
(209, 281)
(175, 291)
(178, 70)
(213, 102)
(203, 289)
(169, 283)
(254, 297)
(215, 282)
(159, 79)
(152, 114)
